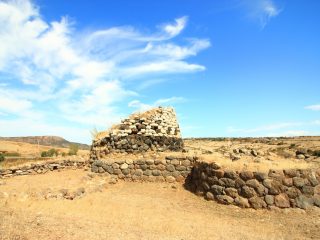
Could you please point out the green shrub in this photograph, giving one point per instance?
(292, 145)
(1, 158)
(50, 153)
(73, 149)
(63, 154)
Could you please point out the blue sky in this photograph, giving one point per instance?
(230, 68)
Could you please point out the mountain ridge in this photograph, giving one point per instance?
(54, 141)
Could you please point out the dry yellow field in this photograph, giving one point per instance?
(133, 210)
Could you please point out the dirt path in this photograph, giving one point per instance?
(136, 211)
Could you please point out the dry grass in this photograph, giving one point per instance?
(137, 211)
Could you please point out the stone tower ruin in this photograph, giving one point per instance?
(153, 130)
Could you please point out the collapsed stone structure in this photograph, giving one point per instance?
(155, 130)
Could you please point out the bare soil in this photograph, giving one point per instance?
(133, 210)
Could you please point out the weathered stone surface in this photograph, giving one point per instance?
(257, 202)
(298, 182)
(274, 186)
(316, 200)
(230, 174)
(239, 183)
(242, 202)
(291, 173)
(156, 173)
(209, 196)
(227, 182)
(304, 202)
(232, 192)
(124, 166)
(269, 199)
(282, 200)
(308, 190)
(293, 192)
(171, 179)
(217, 190)
(246, 175)
(170, 168)
(247, 192)
(260, 176)
(287, 182)
(218, 173)
(224, 199)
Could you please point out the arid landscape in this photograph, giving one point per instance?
(78, 204)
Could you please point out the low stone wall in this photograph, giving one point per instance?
(41, 168)
(170, 169)
(283, 189)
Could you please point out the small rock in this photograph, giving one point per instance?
(124, 166)
(257, 203)
(170, 179)
(113, 180)
(209, 196)
(242, 202)
(301, 156)
(247, 192)
(269, 199)
(246, 175)
(304, 202)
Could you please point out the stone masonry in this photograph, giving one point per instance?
(153, 130)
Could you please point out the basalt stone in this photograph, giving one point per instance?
(269, 199)
(293, 192)
(239, 183)
(291, 173)
(316, 200)
(115, 165)
(186, 163)
(218, 173)
(246, 175)
(181, 168)
(232, 192)
(282, 200)
(308, 190)
(101, 170)
(175, 162)
(299, 182)
(151, 167)
(227, 182)
(185, 173)
(156, 172)
(124, 166)
(287, 182)
(317, 190)
(138, 172)
(213, 180)
(230, 174)
(257, 202)
(209, 196)
(170, 168)
(205, 186)
(160, 167)
(217, 190)
(313, 180)
(224, 199)
(117, 171)
(274, 187)
(125, 171)
(144, 167)
(98, 163)
(94, 168)
(139, 162)
(304, 202)
(276, 174)
(260, 176)
(252, 183)
(149, 161)
(242, 202)
(147, 172)
(247, 192)
(160, 161)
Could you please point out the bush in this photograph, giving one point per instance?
(73, 149)
(1, 158)
(50, 153)
(316, 153)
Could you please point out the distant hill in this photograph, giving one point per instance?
(53, 141)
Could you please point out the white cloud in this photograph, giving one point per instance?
(80, 76)
(313, 107)
(262, 10)
(160, 102)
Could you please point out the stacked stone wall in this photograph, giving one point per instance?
(41, 168)
(279, 188)
(154, 130)
(170, 169)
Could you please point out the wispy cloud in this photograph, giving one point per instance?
(57, 70)
(160, 102)
(261, 10)
(313, 107)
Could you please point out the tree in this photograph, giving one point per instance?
(73, 149)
